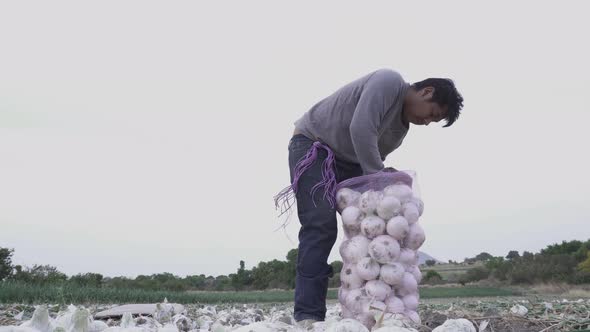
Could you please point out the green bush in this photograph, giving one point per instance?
(334, 281)
(5, 262)
(86, 280)
(475, 274)
(432, 277)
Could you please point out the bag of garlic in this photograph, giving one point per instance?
(380, 275)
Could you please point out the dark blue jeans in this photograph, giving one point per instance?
(319, 229)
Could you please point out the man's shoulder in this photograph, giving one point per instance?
(385, 79)
(387, 74)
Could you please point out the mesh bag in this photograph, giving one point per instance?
(380, 274)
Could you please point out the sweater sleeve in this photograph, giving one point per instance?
(377, 96)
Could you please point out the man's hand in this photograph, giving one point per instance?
(389, 169)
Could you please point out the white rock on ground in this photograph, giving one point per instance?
(519, 310)
(265, 327)
(456, 325)
(347, 325)
(394, 329)
(12, 328)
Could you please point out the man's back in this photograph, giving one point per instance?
(362, 120)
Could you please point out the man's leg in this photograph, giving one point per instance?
(318, 232)
(316, 236)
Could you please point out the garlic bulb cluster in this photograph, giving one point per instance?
(382, 235)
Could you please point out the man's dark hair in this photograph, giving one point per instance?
(445, 94)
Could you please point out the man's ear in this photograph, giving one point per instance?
(427, 92)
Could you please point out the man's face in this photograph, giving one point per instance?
(425, 111)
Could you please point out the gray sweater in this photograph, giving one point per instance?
(362, 121)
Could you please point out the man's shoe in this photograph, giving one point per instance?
(306, 324)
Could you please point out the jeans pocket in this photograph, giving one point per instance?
(299, 143)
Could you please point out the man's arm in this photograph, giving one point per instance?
(376, 98)
(389, 169)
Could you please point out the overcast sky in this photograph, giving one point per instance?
(139, 137)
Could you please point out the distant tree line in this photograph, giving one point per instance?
(567, 262)
(274, 274)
